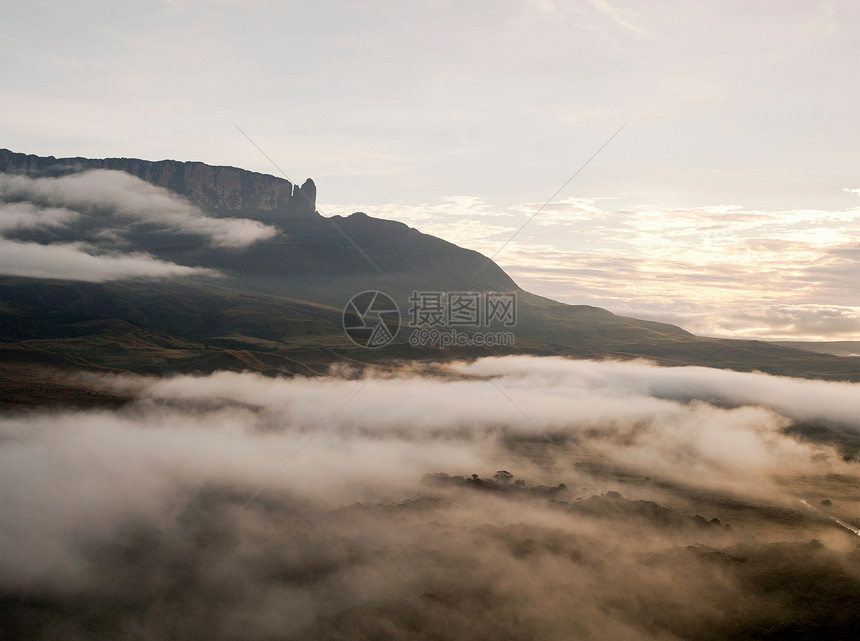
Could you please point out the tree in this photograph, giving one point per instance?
(503, 476)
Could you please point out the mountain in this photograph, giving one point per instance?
(218, 189)
(306, 252)
(267, 279)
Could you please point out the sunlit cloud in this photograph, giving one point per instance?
(708, 269)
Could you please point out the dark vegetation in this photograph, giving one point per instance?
(610, 505)
(842, 436)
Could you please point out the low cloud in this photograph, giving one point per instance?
(73, 261)
(796, 399)
(114, 199)
(26, 215)
(106, 225)
(235, 505)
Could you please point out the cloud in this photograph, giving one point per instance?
(613, 12)
(797, 399)
(73, 261)
(106, 225)
(25, 215)
(116, 199)
(137, 521)
(706, 268)
(831, 321)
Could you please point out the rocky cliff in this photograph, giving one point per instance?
(219, 189)
(311, 256)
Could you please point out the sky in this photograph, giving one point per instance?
(727, 203)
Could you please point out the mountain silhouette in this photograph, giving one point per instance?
(275, 303)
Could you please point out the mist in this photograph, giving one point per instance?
(77, 261)
(104, 225)
(119, 198)
(644, 503)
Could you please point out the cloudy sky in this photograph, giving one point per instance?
(727, 204)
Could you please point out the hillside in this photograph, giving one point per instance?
(270, 278)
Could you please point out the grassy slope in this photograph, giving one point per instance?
(158, 328)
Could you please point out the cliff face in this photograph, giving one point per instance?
(309, 256)
(219, 189)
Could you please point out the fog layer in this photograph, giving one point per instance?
(93, 225)
(645, 503)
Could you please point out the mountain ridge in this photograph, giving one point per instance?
(220, 188)
(276, 305)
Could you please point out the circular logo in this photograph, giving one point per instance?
(371, 319)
